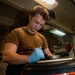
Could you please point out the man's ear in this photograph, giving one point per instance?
(29, 17)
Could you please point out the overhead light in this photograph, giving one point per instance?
(49, 4)
(57, 32)
(49, 1)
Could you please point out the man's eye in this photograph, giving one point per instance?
(41, 24)
(36, 22)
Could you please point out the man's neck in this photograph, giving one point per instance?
(29, 30)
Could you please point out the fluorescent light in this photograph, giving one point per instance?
(46, 4)
(49, 1)
(57, 32)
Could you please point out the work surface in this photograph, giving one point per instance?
(50, 67)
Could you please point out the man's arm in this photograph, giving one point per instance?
(10, 55)
(47, 52)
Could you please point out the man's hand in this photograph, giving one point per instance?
(36, 55)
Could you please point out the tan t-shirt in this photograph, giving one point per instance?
(25, 41)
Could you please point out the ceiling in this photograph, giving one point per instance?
(64, 12)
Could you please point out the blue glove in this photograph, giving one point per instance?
(36, 55)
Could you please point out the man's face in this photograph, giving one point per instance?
(36, 22)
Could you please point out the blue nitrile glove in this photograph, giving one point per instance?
(36, 55)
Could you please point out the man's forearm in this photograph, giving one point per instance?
(15, 58)
(47, 52)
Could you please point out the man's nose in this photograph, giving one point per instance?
(38, 26)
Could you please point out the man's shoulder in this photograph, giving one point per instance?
(19, 29)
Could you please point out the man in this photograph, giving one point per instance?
(25, 45)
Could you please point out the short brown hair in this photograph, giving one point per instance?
(40, 10)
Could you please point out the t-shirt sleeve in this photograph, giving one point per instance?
(13, 37)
